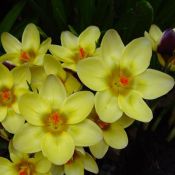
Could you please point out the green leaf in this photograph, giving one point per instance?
(11, 16)
(72, 30)
(135, 20)
(165, 14)
(59, 11)
(104, 14)
(85, 10)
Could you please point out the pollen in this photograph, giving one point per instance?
(81, 52)
(23, 172)
(26, 168)
(54, 118)
(25, 57)
(124, 80)
(5, 95)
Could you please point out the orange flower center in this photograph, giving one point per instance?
(25, 57)
(54, 118)
(6, 97)
(25, 168)
(124, 81)
(55, 123)
(23, 172)
(82, 53)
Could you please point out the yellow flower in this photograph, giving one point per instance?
(76, 48)
(163, 43)
(24, 164)
(79, 162)
(53, 66)
(114, 135)
(154, 36)
(56, 123)
(122, 79)
(30, 51)
(13, 84)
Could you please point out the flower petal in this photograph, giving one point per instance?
(115, 136)
(45, 46)
(42, 165)
(90, 164)
(53, 66)
(3, 113)
(63, 53)
(71, 66)
(10, 43)
(153, 43)
(99, 150)
(88, 39)
(86, 133)
(31, 38)
(78, 106)
(74, 168)
(11, 57)
(28, 139)
(6, 167)
(38, 76)
(57, 170)
(125, 121)
(137, 55)
(13, 122)
(152, 84)
(15, 155)
(71, 84)
(58, 148)
(69, 40)
(106, 105)
(6, 79)
(155, 33)
(53, 90)
(112, 47)
(34, 108)
(93, 72)
(134, 106)
(21, 75)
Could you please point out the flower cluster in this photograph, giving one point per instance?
(58, 100)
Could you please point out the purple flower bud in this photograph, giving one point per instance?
(167, 43)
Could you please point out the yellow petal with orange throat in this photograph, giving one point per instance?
(58, 148)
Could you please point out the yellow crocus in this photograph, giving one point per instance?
(163, 43)
(13, 84)
(53, 66)
(79, 162)
(154, 35)
(122, 78)
(24, 164)
(56, 123)
(29, 51)
(73, 48)
(114, 135)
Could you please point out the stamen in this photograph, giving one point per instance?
(6, 94)
(23, 172)
(81, 52)
(124, 80)
(54, 118)
(24, 56)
